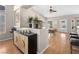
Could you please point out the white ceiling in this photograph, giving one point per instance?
(61, 10)
(26, 6)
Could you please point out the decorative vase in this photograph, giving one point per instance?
(36, 26)
(30, 25)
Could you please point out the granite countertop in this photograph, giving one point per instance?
(26, 33)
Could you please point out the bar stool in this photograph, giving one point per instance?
(74, 40)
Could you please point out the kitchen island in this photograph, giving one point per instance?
(26, 43)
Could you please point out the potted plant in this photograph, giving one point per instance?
(36, 22)
(40, 24)
(30, 19)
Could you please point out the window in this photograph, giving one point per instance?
(2, 19)
(77, 22)
(50, 24)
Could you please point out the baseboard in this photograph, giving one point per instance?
(44, 49)
(18, 48)
(6, 39)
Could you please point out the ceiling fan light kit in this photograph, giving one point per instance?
(51, 10)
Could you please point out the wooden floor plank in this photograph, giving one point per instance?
(7, 47)
(58, 44)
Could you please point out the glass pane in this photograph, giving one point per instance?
(50, 24)
(2, 28)
(2, 19)
(77, 22)
(2, 23)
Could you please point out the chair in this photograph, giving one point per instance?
(74, 40)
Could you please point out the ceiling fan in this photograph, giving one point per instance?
(51, 9)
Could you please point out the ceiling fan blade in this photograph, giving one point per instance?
(51, 10)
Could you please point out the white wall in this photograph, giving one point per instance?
(9, 17)
(9, 13)
(69, 19)
(29, 12)
(42, 33)
(61, 10)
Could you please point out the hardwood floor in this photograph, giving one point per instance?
(7, 47)
(58, 44)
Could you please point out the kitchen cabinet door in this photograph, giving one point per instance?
(21, 42)
(24, 44)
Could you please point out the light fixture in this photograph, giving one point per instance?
(2, 7)
(51, 9)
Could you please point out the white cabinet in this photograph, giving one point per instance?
(42, 39)
(21, 42)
